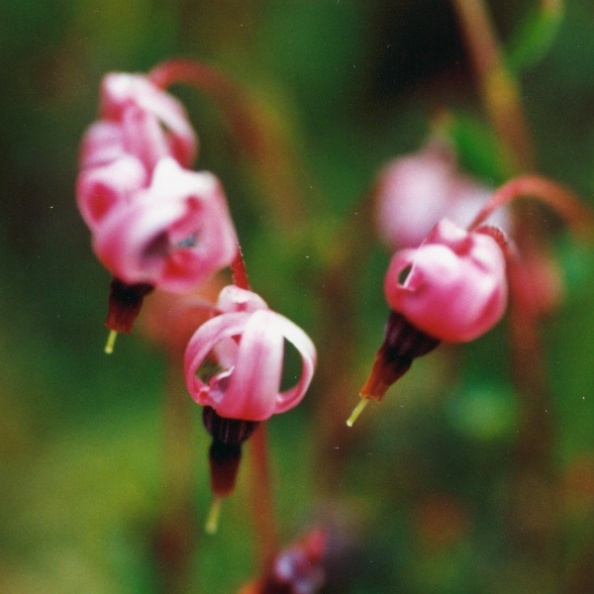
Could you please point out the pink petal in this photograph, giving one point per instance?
(299, 339)
(456, 289)
(101, 189)
(173, 240)
(143, 137)
(233, 298)
(254, 384)
(102, 143)
(204, 340)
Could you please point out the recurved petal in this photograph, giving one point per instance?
(306, 349)
(203, 341)
(255, 382)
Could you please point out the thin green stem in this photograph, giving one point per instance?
(499, 89)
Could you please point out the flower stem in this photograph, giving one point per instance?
(262, 497)
(577, 216)
(533, 532)
(498, 87)
(259, 135)
(238, 268)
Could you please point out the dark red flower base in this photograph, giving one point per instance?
(224, 454)
(125, 302)
(403, 343)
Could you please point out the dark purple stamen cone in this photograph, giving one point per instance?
(125, 302)
(403, 343)
(224, 454)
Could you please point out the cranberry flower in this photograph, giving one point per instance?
(248, 388)
(455, 287)
(151, 123)
(139, 125)
(413, 192)
(173, 235)
(452, 288)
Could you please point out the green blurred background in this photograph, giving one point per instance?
(419, 493)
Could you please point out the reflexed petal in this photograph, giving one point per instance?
(255, 382)
(102, 143)
(233, 298)
(204, 340)
(143, 137)
(301, 341)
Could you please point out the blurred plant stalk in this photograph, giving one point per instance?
(534, 497)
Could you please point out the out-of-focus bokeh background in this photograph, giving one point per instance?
(430, 493)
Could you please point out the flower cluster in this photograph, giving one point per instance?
(154, 223)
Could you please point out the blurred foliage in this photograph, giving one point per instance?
(426, 476)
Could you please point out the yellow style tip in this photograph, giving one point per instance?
(357, 411)
(212, 520)
(111, 338)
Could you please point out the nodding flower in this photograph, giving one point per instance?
(139, 125)
(153, 124)
(173, 235)
(248, 342)
(412, 192)
(453, 286)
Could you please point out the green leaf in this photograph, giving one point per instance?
(535, 35)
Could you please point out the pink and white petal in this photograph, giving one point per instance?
(255, 382)
(121, 92)
(306, 349)
(170, 112)
(143, 137)
(216, 331)
(101, 189)
(102, 143)
(131, 243)
(233, 298)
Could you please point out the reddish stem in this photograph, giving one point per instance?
(240, 277)
(263, 501)
(577, 216)
(256, 133)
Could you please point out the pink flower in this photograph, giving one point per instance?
(413, 192)
(251, 340)
(173, 235)
(137, 119)
(153, 123)
(452, 287)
